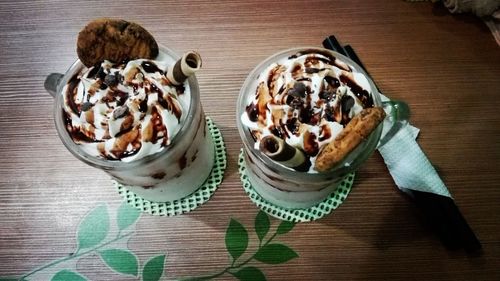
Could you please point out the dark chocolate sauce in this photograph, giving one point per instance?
(282, 88)
(311, 147)
(283, 129)
(362, 94)
(294, 102)
(277, 131)
(180, 89)
(332, 81)
(292, 125)
(311, 70)
(161, 99)
(296, 69)
(329, 58)
(151, 67)
(120, 96)
(143, 105)
(195, 155)
(346, 103)
(159, 175)
(128, 153)
(304, 79)
(71, 93)
(327, 95)
(329, 114)
(252, 133)
(183, 161)
(305, 115)
(102, 86)
(270, 78)
(75, 133)
(252, 112)
(325, 133)
(93, 72)
(86, 106)
(157, 124)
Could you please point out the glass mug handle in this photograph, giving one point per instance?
(51, 83)
(398, 115)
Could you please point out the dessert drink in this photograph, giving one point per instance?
(136, 116)
(307, 118)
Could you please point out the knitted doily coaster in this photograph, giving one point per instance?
(315, 212)
(195, 199)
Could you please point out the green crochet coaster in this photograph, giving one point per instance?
(315, 212)
(195, 199)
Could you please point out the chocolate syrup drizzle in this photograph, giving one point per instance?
(302, 109)
(116, 99)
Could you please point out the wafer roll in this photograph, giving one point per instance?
(280, 151)
(183, 68)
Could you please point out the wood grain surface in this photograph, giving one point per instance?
(446, 67)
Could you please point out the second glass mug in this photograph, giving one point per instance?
(291, 189)
(171, 174)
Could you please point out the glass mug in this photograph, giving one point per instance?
(170, 174)
(292, 189)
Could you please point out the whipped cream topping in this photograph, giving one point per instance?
(306, 99)
(124, 111)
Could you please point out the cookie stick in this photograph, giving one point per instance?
(184, 67)
(280, 151)
(357, 130)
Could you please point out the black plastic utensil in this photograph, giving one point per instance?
(441, 212)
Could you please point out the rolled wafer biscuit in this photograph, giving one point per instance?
(184, 67)
(357, 130)
(280, 151)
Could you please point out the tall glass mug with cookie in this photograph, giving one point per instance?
(132, 108)
(307, 118)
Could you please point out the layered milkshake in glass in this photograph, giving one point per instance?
(290, 107)
(134, 121)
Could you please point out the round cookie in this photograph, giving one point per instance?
(114, 40)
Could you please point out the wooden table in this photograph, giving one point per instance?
(446, 67)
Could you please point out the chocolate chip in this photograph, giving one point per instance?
(119, 112)
(111, 80)
(143, 106)
(300, 89)
(328, 96)
(86, 106)
(295, 102)
(292, 125)
(93, 72)
(347, 103)
(334, 82)
(277, 131)
(101, 74)
(329, 114)
(119, 77)
(305, 115)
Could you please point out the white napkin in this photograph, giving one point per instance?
(407, 163)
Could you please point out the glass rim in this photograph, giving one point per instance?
(106, 164)
(347, 165)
